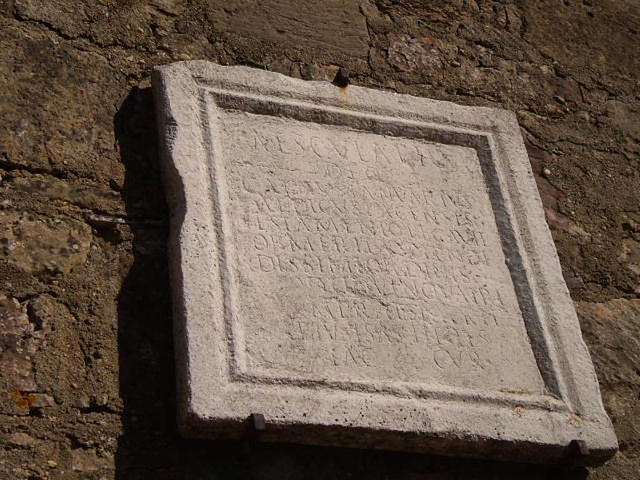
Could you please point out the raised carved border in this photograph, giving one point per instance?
(482, 142)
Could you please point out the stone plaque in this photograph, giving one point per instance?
(368, 269)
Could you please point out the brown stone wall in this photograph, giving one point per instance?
(86, 367)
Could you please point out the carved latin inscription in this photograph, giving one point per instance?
(366, 256)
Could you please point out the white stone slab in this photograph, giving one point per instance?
(366, 268)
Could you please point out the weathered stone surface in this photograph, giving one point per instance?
(368, 269)
(616, 358)
(87, 461)
(37, 245)
(275, 20)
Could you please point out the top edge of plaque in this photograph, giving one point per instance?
(255, 81)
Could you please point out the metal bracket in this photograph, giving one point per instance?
(573, 466)
(255, 427)
(578, 454)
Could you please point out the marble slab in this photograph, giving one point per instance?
(367, 269)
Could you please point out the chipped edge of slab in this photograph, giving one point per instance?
(208, 408)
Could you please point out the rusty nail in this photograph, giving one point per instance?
(342, 77)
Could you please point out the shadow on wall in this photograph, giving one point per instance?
(150, 447)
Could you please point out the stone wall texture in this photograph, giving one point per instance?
(86, 356)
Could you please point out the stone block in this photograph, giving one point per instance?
(367, 269)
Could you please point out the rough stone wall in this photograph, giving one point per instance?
(86, 361)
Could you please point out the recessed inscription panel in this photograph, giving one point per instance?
(366, 258)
